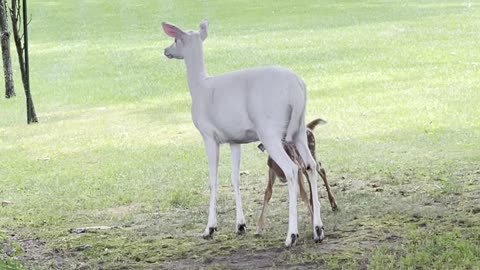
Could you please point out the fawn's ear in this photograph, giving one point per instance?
(172, 30)
(203, 29)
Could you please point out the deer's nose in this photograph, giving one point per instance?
(167, 54)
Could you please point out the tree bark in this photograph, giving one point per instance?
(22, 52)
(7, 60)
(31, 115)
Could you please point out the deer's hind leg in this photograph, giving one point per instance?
(311, 167)
(323, 175)
(303, 193)
(266, 199)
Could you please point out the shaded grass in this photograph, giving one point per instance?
(397, 81)
(9, 249)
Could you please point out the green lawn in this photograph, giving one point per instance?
(397, 81)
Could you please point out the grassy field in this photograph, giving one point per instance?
(397, 81)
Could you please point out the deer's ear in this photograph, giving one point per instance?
(203, 29)
(171, 30)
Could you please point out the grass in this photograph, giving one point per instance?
(397, 81)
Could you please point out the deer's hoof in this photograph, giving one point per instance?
(291, 240)
(319, 234)
(208, 234)
(241, 229)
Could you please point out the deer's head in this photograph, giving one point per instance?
(184, 41)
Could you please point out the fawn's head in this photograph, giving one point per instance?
(184, 41)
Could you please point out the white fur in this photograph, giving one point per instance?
(265, 103)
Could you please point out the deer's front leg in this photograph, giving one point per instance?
(240, 219)
(212, 154)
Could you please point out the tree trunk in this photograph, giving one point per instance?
(31, 115)
(23, 58)
(7, 61)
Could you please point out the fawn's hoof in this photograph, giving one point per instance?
(259, 231)
(319, 234)
(208, 234)
(241, 229)
(334, 206)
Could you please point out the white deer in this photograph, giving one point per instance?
(264, 103)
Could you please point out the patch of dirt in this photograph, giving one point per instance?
(352, 185)
(35, 253)
(280, 257)
(276, 258)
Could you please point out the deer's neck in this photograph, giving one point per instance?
(196, 73)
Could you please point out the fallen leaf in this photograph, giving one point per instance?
(6, 203)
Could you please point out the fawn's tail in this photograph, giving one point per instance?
(315, 123)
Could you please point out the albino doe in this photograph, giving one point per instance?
(265, 103)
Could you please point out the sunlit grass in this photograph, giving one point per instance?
(398, 83)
